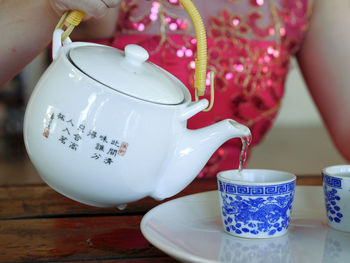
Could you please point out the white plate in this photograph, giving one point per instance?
(190, 229)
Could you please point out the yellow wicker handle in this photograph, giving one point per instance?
(71, 19)
(201, 60)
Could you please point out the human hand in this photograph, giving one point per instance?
(92, 8)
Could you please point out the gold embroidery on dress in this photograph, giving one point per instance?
(253, 67)
(155, 13)
(164, 17)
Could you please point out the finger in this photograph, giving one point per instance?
(94, 8)
(111, 3)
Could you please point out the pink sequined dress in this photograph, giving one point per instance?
(250, 43)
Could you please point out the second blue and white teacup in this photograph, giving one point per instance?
(256, 203)
(336, 186)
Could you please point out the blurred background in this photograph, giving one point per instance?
(298, 142)
(15, 166)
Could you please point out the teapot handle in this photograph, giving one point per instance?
(57, 42)
(72, 18)
(194, 108)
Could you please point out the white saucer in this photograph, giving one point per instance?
(190, 229)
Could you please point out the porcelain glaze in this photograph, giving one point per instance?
(257, 203)
(190, 229)
(103, 147)
(336, 186)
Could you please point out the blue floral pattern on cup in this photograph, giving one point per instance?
(256, 209)
(330, 186)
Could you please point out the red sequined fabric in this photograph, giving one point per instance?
(250, 43)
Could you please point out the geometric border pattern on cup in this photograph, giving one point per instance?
(332, 181)
(267, 190)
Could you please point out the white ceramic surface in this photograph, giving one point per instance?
(336, 186)
(101, 147)
(256, 203)
(125, 71)
(190, 230)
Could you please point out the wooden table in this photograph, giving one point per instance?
(39, 225)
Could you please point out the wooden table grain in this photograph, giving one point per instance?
(39, 225)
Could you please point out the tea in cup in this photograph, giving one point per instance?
(256, 203)
(336, 186)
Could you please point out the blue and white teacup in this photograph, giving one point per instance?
(256, 203)
(336, 186)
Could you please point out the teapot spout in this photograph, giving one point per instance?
(192, 152)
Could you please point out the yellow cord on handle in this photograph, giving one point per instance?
(71, 19)
(201, 60)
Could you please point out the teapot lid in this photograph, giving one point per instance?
(128, 72)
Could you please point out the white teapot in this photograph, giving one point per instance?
(105, 127)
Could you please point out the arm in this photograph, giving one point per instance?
(325, 62)
(26, 29)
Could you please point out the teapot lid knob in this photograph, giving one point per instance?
(135, 54)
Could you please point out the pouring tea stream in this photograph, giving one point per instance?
(106, 127)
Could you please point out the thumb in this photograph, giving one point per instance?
(92, 8)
